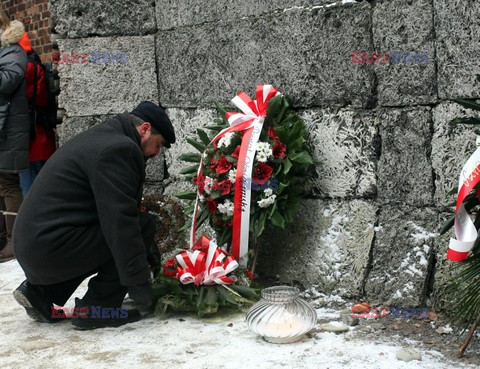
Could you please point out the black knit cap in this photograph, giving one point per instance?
(156, 116)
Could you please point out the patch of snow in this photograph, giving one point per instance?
(189, 342)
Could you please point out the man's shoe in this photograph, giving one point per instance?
(94, 317)
(6, 253)
(34, 300)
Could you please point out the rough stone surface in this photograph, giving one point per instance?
(404, 168)
(76, 19)
(107, 88)
(171, 14)
(185, 123)
(405, 26)
(402, 256)
(344, 142)
(444, 271)
(451, 147)
(304, 53)
(72, 126)
(457, 32)
(328, 246)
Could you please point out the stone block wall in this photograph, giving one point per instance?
(369, 231)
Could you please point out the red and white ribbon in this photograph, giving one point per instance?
(205, 268)
(465, 231)
(250, 120)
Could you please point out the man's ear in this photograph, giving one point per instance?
(145, 127)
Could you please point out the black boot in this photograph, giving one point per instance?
(35, 301)
(96, 316)
(6, 253)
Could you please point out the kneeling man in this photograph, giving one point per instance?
(81, 217)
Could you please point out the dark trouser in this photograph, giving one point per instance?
(104, 289)
(10, 191)
(28, 176)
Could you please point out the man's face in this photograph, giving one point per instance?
(151, 143)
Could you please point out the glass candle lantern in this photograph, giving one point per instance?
(281, 316)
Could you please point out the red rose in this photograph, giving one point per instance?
(170, 262)
(236, 153)
(225, 186)
(211, 205)
(200, 182)
(272, 134)
(262, 173)
(169, 267)
(279, 150)
(223, 165)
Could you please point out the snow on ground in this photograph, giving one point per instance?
(180, 343)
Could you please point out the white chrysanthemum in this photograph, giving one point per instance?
(232, 175)
(208, 184)
(226, 208)
(261, 146)
(226, 140)
(263, 203)
(201, 198)
(261, 156)
(268, 152)
(230, 209)
(268, 192)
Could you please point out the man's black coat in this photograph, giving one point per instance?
(83, 208)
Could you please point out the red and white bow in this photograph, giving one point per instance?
(205, 267)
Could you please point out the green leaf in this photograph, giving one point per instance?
(190, 157)
(465, 121)
(186, 195)
(470, 104)
(216, 128)
(261, 223)
(203, 136)
(302, 157)
(287, 164)
(244, 291)
(447, 225)
(190, 169)
(278, 220)
(200, 147)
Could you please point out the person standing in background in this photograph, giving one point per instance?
(13, 148)
(42, 136)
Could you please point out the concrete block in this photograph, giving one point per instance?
(405, 26)
(404, 168)
(173, 14)
(77, 19)
(305, 53)
(344, 141)
(96, 88)
(328, 246)
(402, 256)
(457, 34)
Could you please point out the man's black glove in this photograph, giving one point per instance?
(141, 294)
(154, 258)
